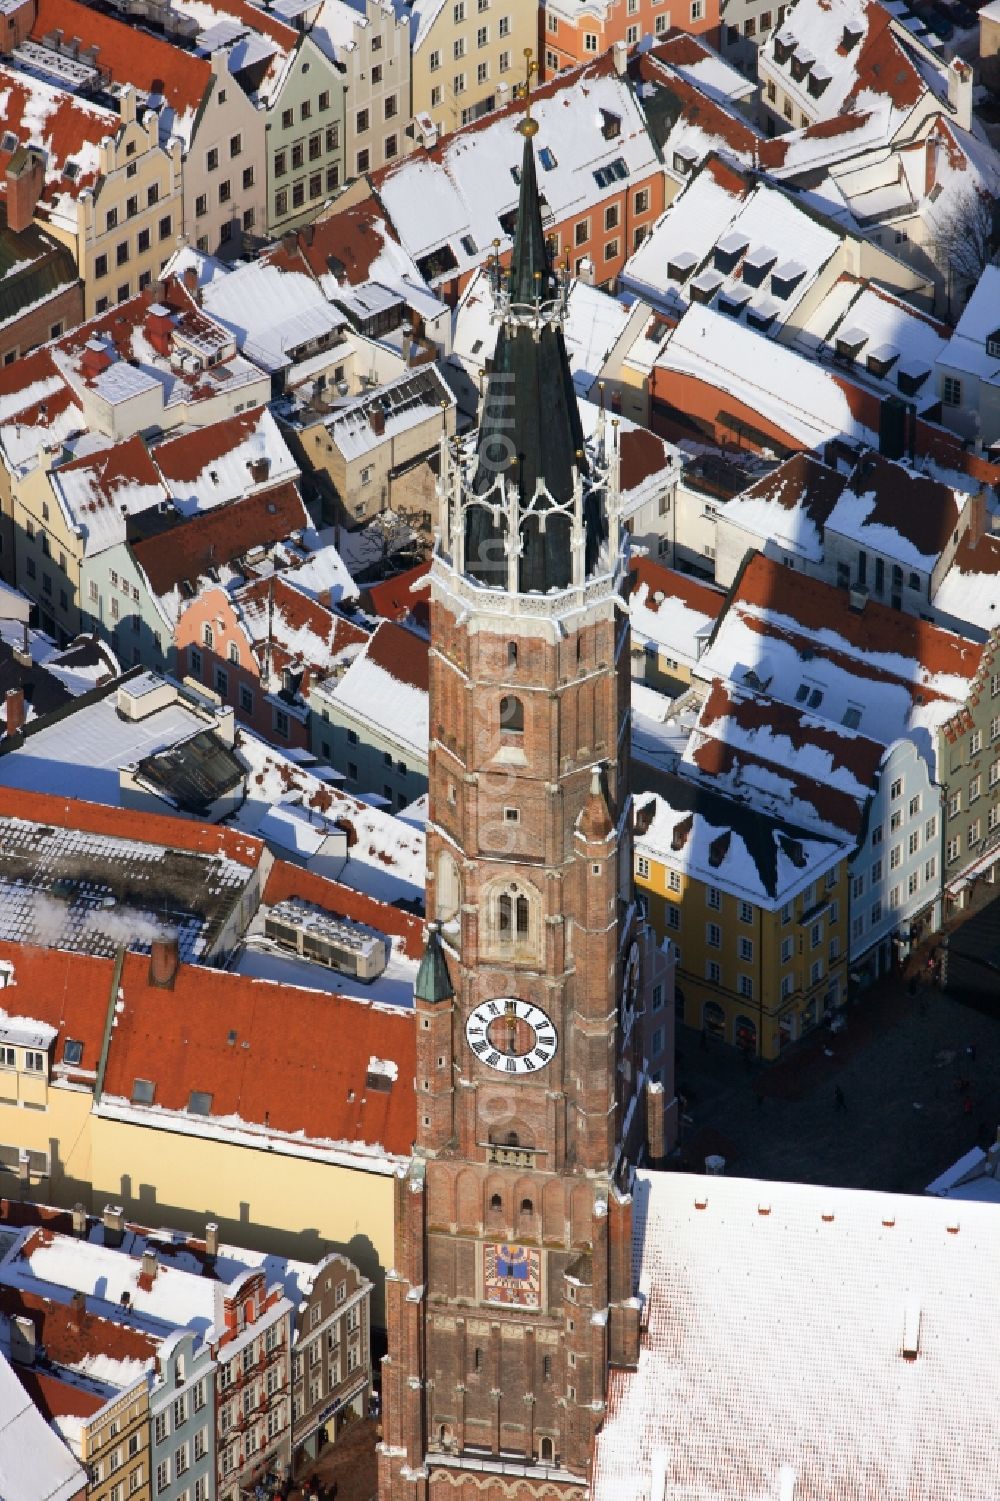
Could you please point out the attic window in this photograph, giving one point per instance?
(881, 360)
(199, 1103)
(993, 344)
(508, 222)
(469, 245)
(71, 170)
(547, 158)
(818, 80)
(611, 125)
(72, 1050)
(615, 171)
(850, 39)
(684, 160)
(852, 717)
(9, 141)
(515, 172)
(786, 279)
(379, 1082)
(143, 1091)
(680, 266)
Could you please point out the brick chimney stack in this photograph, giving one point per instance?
(25, 179)
(14, 706)
(164, 961)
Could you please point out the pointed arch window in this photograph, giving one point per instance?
(513, 916)
(511, 715)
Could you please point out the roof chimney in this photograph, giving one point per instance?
(960, 92)
(164, 962)
(14, 705)
(113, 1221)
(79, 1220)
(77, 1311)
(212, 1239)
(148, 1266)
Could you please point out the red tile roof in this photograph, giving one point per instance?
(769, 586)
(400, 653)
(152, 65)
(117, 468)
(125, 823)
(55, 1398)
(299, 1062)
(188, 550)
(69, 1338)
(71, 129)
(396, 598)
(64, 990)
(286, 880)
(642, 454)
(298, 630)
(703, 598)
(257, 19)
(354, 236)
(184, 459)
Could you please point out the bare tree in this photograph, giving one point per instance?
(967, 241)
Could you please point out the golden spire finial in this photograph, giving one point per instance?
(528, 126)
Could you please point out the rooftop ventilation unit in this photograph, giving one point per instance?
(317, 935)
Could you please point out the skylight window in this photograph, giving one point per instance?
(547, 158)
(71, 170)
(852, 717)
(8, 141)
(72, 1050)
(143, 1091)
(199, 1103)
(615, 171)
(469, 245)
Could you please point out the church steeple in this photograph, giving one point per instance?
(531, 445)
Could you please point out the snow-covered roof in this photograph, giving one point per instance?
(783, 760)
(897, 512)
(276, 316)
(966, 350)
(224, 461)
(753, 854)
(748, 240)
(894, 336)
(883, 673)
(452, 197)
(387, 686)
(360, 426)
(798, 396)
(385, 858)
(98, 493)
(35, 1464)
(672, 611)
(840, 1332)
(80, 755)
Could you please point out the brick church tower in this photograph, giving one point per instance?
(511, 1293)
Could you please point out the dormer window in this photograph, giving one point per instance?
(993, 345)
(611, 125)
(850, 39)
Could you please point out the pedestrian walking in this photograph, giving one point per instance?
(839, 1099)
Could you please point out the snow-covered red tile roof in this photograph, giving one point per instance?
(126, 823)
(801, 641)
(387, 684)
(776, 1358)
(287, 628)
(782, 760)
(403, 595)
(672, 609)
(168, 77)
(187, 553)
(224, 460)
(459, 189)
(101, 490)
(35, 1465)
(64, 127)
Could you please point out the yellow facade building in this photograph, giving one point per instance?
(467, 57)
(757, 911)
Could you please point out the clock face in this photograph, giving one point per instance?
(511, 1036)
(513, 1275)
